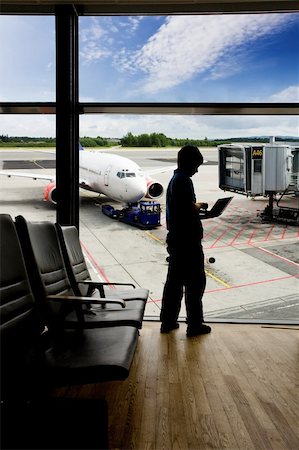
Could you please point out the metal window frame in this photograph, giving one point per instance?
(67, 107)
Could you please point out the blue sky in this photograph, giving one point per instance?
(221, 58)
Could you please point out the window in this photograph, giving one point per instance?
(216, 58)
(27, 48)
(221, 59)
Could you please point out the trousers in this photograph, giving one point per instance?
(186, 274)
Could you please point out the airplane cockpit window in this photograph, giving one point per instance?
(125, 174)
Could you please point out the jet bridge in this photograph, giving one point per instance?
(261, 170)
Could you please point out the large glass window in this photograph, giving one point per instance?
(176, 59)
(27, 166)
(255, 273)
(27, 49)
(217, 58)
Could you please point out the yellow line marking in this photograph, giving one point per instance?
(217, 279)
(207, 272)
(154, 237)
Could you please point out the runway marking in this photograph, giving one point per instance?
(289, 261)
(38, 165)
(225, 231)
(239, 233)
(217, 279)
(237, 286)
(269, 232)
(207, 272)
(95, 264)
(211, 231)
(254, 283)
(154, 237)
(253, 234)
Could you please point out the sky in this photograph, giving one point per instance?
(217, 58)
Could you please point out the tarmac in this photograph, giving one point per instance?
(256, 269)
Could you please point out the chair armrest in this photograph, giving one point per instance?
(84, 300)
(99, 284)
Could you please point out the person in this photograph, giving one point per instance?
(186, 258)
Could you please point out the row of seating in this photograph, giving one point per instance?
(58, 327)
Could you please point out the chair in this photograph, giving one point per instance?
(79, 275)
(66, 357)
(49, 279)
(35, 358)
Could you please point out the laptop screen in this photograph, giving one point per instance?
(220, 206)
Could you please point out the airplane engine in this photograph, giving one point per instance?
(50, 193)
(154, 188)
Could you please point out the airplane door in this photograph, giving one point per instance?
(106, 176)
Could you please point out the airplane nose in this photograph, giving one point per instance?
(135, 191)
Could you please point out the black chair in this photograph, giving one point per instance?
(35, 357)
(49, 279)
(79, 275)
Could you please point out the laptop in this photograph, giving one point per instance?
(216, 209)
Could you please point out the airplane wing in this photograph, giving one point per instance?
(37, 176)
(34, 176)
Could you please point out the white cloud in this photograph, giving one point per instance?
(97, 39)
(28, 125)
(185, 46)
(93, 32)
(94, 42)
(93, 52)
(192, 127)
(290, 94)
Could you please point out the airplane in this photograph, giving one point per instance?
(115, 176)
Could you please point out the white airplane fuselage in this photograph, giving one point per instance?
(114, 176)
(118, 178)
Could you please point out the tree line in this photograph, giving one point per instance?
(25, 141)
(160, 140)
(129, 140)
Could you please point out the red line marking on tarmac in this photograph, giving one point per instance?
(253, 234)
(97, 267)
(284, 232)
(269, 232)
(240, 232)
(223, 233)
(154, 301)
(211, 231)
(253, 283)
(240, 286)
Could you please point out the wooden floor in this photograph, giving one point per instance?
(236, 388)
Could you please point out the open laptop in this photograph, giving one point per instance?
(216, 209)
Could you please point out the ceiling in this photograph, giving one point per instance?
(88, 7)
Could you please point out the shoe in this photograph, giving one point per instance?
(198, 330)
(166, 328)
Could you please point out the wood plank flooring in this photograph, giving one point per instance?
(236, 388)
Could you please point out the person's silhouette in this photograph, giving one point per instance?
(186, 258)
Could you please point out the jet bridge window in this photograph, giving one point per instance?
(257, 167)
(234, 168)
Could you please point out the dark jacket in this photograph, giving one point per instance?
(183, 223)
